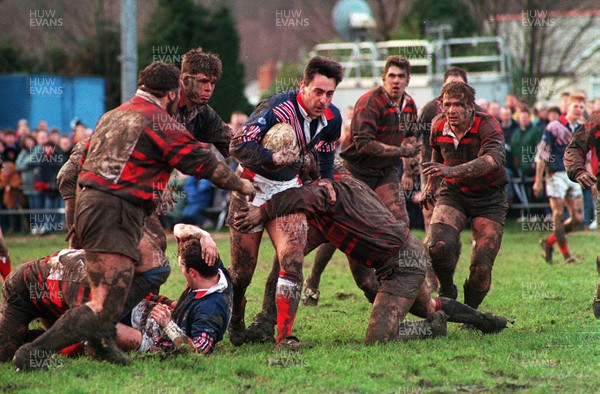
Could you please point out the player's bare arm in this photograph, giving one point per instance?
(224, 178)
(475, 168)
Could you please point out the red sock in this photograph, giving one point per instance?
(438, 304)
(74, 350)
(564, 249)
(288, 297)
(5, 266)
(551, 240)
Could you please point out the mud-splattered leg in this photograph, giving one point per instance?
(487, 238)
(288, 234)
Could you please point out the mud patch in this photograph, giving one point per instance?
(345, 296)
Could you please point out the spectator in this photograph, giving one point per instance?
(65, 144)
(564, 102)
(483, 104)
(49, 159)
(553, 114)
(12, 196)
(42, 125)
(511, 102)
(80, 133)
(11, 146)
(542, 116)
(22, 129)
(29, 169)
(523, 150)
(507, 123)
(494, 109)
(54, 136)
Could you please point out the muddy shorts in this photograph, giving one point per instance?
(373, 177)
(108, 224)
(492, 205)
(403, 274)
(265, 189)
(558, 185)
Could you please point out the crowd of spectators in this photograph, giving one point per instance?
(31, 160)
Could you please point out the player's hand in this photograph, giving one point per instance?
(426, 199)
(435, 170)
(161, 314)
(247, 189)
(409, 150)
(538, 188)
(585, 179)
(284, 157)
(247, 218)
(406, 182)
(209, 250)
(331, 196)
(167, 199)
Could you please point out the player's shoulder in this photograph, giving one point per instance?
(409, 99)
(487, 119)
(332, 112)
(374, 95)
(288, 96)
(438, 122)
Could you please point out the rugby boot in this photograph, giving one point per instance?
(74, 326)
(262, 330)
(310, 297)
(293, 343)
(434, 326)
(472, 318)
(103, 346)
(546, 250)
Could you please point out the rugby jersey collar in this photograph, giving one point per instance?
(307, 120)
(447, 131)
(391, 102)
(148, 97)
(218, 288)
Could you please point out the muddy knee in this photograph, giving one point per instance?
(443, 245)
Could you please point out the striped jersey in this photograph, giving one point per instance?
(483, 137)
(377, 118)
(320, 133)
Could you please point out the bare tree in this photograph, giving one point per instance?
(553, 44)
(387, 15)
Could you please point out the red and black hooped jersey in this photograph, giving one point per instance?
(57, 282)
(483, 137)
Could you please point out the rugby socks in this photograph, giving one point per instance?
(564, 248)
(288, 293)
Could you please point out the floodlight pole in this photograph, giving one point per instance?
(128, 56)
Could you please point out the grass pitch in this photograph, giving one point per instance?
(552, 346)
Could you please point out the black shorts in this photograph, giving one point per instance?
(403, 274)
(108, 224)
(492, 205)
(373, 177)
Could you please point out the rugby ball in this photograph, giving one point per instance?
(277, 138)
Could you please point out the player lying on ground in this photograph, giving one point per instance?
(201, 315)
(50, 286)
(350, 216)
